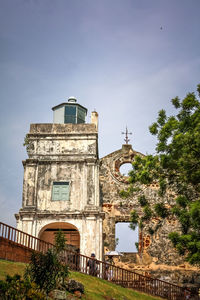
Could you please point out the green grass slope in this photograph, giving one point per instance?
(95, 288)
(11, 268)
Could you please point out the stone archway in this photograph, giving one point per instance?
(70, 231)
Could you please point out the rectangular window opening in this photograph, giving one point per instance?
(126, 239)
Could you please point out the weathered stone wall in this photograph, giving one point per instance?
(57, 153)
(38, 188)
(155, 250)
(183, 274)
(118, 209)
(61, 152)
(61, 141)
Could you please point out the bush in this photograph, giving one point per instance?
(44, 273)
(14, 288)
(47, 270)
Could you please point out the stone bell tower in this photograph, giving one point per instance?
(61, 180)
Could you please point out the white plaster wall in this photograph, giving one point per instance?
(76, 175)
(90, 229)
(62, 146)
(58, 115)
(27, 224)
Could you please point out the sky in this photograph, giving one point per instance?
(126, 238)
(124, 58)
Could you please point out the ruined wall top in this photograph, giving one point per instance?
(51, 128)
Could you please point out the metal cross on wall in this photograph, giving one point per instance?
(126, 135)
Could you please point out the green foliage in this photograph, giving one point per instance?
(189, 243)
(26, 141)
(133, 220)
(42, 270)
(194, 214)
(47, 270)
(60, 241)
(161, 210)
(176, 166)
(161, 117)
(153, 128)
(116, 242)
(163, 186)
(151, 231)
(174, 237)
(141, 224)
(124, 194)
(198, 89)
(131, 189)
(142, 200)
(147, 213)
(176, 102)
(16, 288)
(184, 219)
(182, 201)
(137, 245)
(176, 211)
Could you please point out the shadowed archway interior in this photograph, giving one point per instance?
(71, 233)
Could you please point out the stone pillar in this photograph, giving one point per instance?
(94, 119)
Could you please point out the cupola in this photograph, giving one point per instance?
(69, 112)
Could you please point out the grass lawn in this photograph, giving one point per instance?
(95, 288)
(10, 268)
(98, 289)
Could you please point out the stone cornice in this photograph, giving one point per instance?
(64, 159)
(59, 215)
(84, 135)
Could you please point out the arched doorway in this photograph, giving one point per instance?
(71, 233)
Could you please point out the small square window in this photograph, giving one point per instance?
(60, 191)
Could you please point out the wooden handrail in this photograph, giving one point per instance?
(24, 239)
(79, 262)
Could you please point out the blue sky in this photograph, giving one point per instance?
(125, 58)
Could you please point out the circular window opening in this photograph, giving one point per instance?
(125, 169)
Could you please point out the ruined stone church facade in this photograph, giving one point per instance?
(67, 186)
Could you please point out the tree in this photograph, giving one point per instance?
(175, 167)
